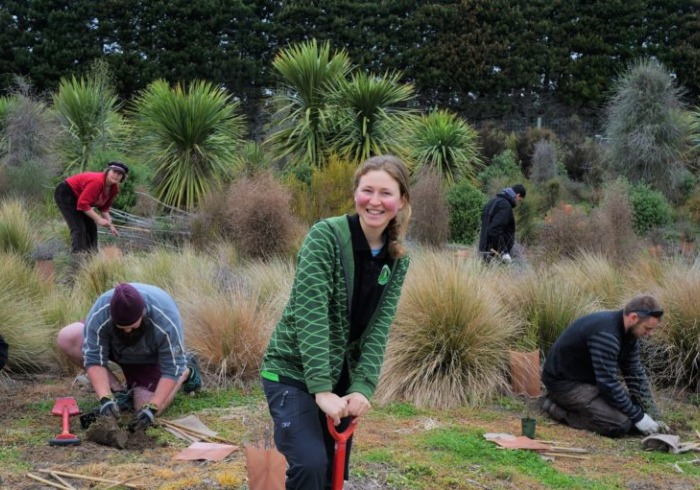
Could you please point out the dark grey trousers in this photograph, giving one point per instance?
(584, 408)
(302, 437)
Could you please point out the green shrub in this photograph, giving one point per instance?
(650, 209)
(504, 167)
(465, 202)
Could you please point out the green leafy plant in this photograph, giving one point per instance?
(650, 208)
(328, 191)
(190, 136)
(299, 128)
(444, 142)
(88, 110)
(366, 115)
(503, 168)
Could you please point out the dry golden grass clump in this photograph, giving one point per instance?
(449, 343)
(21, 322)
(677, 345)
(594, 275)
(547, 302)
(15, 228)
(98, 273)
(229, 330)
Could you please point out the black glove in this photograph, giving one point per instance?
(144, 418)
(109, 407)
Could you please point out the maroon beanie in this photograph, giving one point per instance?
(126, 305)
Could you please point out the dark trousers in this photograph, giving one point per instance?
(584, 408)
(302, 437)
(83, 230)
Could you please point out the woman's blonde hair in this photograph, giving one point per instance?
(397, 227)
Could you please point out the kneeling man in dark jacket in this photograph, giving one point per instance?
(581, 372)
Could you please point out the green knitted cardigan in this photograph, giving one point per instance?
(310, 341)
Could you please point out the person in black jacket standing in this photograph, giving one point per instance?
(584, 390)
(498, 224)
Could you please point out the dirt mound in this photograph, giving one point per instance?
(107, 431)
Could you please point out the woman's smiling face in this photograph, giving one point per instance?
(377, 199)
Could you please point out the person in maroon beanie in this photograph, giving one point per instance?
(78, 195)
(138, 327)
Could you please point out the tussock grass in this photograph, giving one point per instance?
(228, 330)
(172, 270)
(21, 322)
(98, 273)
(15, 228)
(449, 344)
(547, 302)
(274, 279)
(594, 275)
(678, 343)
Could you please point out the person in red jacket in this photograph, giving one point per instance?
(78, 195)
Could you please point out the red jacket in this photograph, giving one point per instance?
(89, 188)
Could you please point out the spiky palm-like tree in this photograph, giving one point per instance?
(190, 135)
(444, 142)
(647, 129)
(367, 115)
(306, 71)
(88, 111)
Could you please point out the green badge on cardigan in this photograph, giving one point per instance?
(384, 275)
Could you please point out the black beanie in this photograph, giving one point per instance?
(519, 189)
(126, 305)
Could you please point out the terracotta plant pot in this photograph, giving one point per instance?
(46, 269)
(525, 373)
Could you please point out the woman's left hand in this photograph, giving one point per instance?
(113, 230)
(358, 405)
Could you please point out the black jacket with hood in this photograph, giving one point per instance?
(498, 223)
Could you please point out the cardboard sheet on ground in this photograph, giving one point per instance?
(517, 442)
(191, 422)
(668, 443)
(209, 451)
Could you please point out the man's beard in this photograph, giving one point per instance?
(130, 338)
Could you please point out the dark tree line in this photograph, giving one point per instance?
(484, 57)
